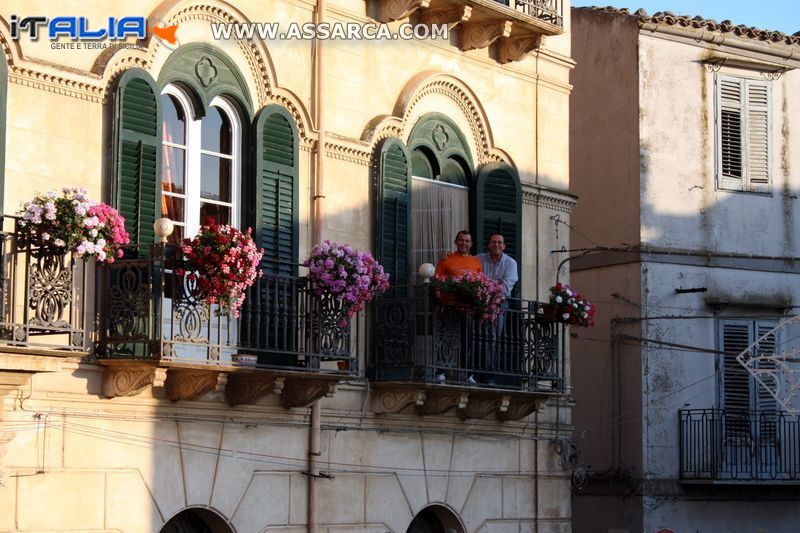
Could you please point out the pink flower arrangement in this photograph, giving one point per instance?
(483, 294)
(73, 222)
(224, 262)
(349, 276)
(571, 306)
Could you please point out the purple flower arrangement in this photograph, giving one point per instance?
(349, 276)
(73, 222)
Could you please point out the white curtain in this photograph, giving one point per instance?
(439, 210)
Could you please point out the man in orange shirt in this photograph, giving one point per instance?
(460, 260)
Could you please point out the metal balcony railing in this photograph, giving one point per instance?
(417, 339)
(739, 446)
(548, 10)
(43, 295)
(150, 312)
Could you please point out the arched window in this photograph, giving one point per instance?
(200, 163)
(428, 190)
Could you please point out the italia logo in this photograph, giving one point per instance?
(80, 28)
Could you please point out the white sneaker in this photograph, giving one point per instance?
(471, 381)
(440, 377)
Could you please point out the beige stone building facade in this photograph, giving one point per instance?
(125, 406)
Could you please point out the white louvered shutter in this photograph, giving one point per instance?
(730, 94)
(757, 135)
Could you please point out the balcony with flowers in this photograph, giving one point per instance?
(216, 316)
(455, 343)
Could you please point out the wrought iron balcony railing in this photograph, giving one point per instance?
(150, 313)
(719, 446)
(547, 10)
(417, 339)
(43, 296)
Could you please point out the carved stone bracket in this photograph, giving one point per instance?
(395, 401)
(189, 383)
(480, 35)
(302, 392)
(516, 48)
(469, 402)
(440, 402)
(389, 10)
(516, 408)
(248, 388)
(452, 17)
(480, 406)
(127, 378)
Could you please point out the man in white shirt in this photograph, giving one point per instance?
(501, 267)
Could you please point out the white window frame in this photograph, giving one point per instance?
(751, 179)
(193, 161)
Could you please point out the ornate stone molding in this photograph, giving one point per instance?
(481, 35)
(127, 378)
(351, 154)
(55, 84)
(390, 10)
(469, 402)
(448, 87)
(452, 16)
(248, 388)
(303, 391)
(550, 199)
(256, 61)
(515, 48)
(189, 383)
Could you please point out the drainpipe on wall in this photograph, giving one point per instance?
(313, 466)
(316, 237)
(319, 97)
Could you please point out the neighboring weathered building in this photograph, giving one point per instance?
(684, 155)
(123, 406)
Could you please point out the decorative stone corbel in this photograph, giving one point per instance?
(517, 408)
(480, 35)
(515, 48)
(452, 17)
(479, 406)
(127, 378)
(390, 401)
(248, 388)
(389, 10)
(441, 402)
(302, 392)
(189, 383)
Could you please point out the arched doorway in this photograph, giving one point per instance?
(196, 520)
(436, 519)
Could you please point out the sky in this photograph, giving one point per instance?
(781, 15)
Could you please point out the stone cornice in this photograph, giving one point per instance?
(555, 199)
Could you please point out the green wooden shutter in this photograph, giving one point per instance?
(757, 135)
(393, 217)
(730, 103)
(137, 154)
(498, 209)
(276, 191)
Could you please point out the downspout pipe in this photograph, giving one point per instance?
(316, 237)
(319, 97)
(313, 467)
